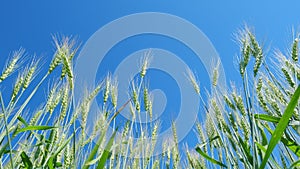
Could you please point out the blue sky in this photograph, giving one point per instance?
(31, 24)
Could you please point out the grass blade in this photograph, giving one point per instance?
(295, 164)
(283, 123)
(209, 158)
(291, 144)
(246, 149)
(266, 117)
(22, 120)
(50, 162)
(105, 154)
(209, 140)
(263, 149)
(30, 128)
(94, 151)
(26, 161)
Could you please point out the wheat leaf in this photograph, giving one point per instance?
(30, 128)
(209, 158)
(281, 126)
(105, 154)
(26, 161)
(266, 117)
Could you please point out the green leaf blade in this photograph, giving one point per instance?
(280, 128)
(209, 158)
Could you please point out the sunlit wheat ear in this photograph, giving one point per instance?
(216, 109)
(290, 65)
(220, 117)
(258, 62)
(257, 52)
(50, 97)
(67, 156)
(35, 118)
(135, 97)
(64, 102)
(156, 164)
(175, 157)
(192, 162)
(261, 98)
(164, 149)
(12, 65)
(288, 77)
(210, 127)
(245, 128)
(85, 105)
(174, 131)
(17, 87)
(275, 106)
(114, 92)
(107, 88)
(295, 50)
(298, 73)
(192, 78)
(57, 59)
(239, 103)
(155, 130)
(138, 107)
(56, 135)
(279, 95)
(145, 62)
(146, 98)
(65, 51)
(150, 103)
(126, 130)
(202, 136)
(215, 73)
(246, 50)
(133, 91)
(30, 74)
(55, 62)
(254, 44)
(94, 93)
(233, 121)
(243, 41)
(229, 103)
(169, 145)
(53, 99)
(67, 65)
(135, 164)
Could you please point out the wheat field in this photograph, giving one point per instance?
(255, 124)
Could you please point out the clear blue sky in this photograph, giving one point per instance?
(30, 24)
